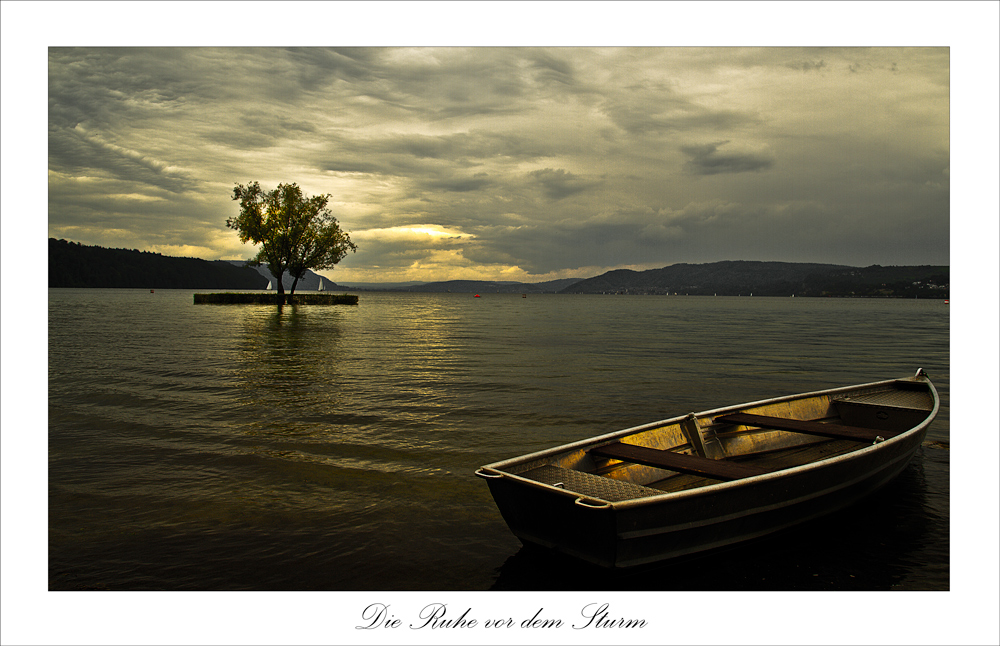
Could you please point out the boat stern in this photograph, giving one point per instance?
(555, 517)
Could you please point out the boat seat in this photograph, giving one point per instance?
(589, 484)
(893, 410)
(680, 462)
(836, 431)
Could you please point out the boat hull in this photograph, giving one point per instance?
(655, 527)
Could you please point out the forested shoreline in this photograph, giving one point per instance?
(72, 264)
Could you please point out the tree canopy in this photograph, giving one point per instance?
(295, 232)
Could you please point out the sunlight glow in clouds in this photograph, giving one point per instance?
(417, 232)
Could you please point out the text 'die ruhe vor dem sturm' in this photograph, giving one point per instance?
(380, 616)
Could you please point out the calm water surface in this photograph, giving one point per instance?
(333, 448)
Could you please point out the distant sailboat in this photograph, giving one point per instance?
(321, 287)
(268, 285)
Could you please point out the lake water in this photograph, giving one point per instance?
(202, 447)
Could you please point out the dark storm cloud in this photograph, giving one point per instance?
(707, 160)
(409, 151)
(76, 151)
(257, 129)
(806, 66)
(550, 68)
(558, 184)
(462, 184)
(659, 109)
(441, 84)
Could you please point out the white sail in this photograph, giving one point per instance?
(269, 284)
(321, 287)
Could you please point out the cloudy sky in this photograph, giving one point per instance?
(512, 163)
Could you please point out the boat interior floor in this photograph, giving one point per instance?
(771, 461)
(614, 490)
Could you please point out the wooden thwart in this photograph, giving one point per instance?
(836, 431)
(681, 462)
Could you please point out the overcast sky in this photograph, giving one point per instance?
(512, 163)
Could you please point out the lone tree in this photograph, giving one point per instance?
(295, 232)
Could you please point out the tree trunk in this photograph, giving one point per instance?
(280, 293)
(294, 283)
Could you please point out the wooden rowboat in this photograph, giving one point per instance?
(710, 479)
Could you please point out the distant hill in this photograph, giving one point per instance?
(735, 278)
(72, 264)
(493, 287)
(383, 287)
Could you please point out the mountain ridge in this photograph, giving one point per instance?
(767, 278)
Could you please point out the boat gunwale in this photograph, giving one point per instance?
(496, 467)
